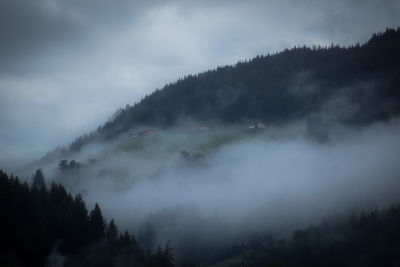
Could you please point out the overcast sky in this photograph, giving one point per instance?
(67, 65)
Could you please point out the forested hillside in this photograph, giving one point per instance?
(287, 85)
(226, 164)
(360, 82)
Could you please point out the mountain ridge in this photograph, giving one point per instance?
(278, 88)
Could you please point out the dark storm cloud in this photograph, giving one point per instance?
(28, 28)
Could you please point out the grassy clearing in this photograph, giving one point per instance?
(235, 261)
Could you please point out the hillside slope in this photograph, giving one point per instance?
(278, 87)
(356, 85)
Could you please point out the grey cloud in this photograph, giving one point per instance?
(26, 27)
(347, 21)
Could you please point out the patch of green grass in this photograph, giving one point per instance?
(234, 261)
(136, 144)
(219, 140)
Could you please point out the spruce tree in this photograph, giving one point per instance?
(96, 223)
(112, 231)
(38, 180)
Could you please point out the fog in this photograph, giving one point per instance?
(66, 66)
(222, 183)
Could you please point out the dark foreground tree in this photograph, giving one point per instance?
(96, 223)
(38, 226)
(38, 179)
(162, 257)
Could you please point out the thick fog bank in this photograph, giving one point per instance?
(220, 184)
(257, 183)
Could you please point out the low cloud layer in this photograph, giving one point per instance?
(222, 184)
(269, 178)
(66, 66)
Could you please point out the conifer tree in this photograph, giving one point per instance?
(112, 231)
(38, 179)
(96, 223)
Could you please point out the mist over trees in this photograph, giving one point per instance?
(41, 227)
(38, 225)
(262, 88)
(368, 238)
(219, 191)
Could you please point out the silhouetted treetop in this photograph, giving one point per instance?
(38, 179)
(34, 222)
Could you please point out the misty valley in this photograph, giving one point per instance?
(287, 159)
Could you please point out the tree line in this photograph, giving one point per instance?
(365, 239)
(39, 224)
(281, 87)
